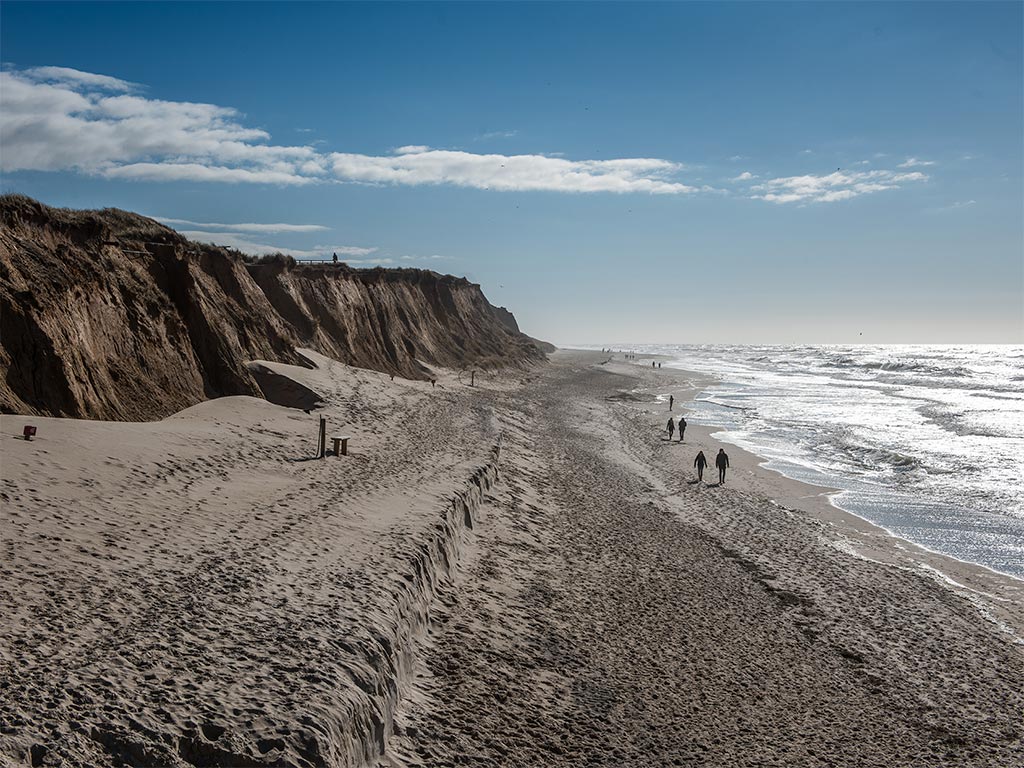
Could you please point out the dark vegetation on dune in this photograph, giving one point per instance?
(111, 315)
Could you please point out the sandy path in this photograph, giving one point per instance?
(615, 614)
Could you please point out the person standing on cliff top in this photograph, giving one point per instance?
(671, 428)
(700, 462)
(722, 462)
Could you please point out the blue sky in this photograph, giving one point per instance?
(755, 172)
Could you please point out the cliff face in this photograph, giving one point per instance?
(110, 315)
(389, 319)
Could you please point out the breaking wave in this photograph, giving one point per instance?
(927, 440)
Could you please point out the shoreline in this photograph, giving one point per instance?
(876, 542)
(962, 530)
(196, 591)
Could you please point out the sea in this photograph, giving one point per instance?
(926, 441)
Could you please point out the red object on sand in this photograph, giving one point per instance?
(29, 432)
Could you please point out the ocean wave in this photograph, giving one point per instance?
(732, 406)
(882, 457)
(897, 366)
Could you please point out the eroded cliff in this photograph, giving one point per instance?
(111, 315)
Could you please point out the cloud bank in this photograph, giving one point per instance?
(266, 228)
(244, 244)
(57, 119)
(62, 119)
(422, 165)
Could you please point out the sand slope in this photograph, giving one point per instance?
(198, 591)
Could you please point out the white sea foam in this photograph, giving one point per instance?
(925, 440)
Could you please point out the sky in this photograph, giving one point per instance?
(611, 173)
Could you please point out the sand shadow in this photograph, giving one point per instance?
(280, 390)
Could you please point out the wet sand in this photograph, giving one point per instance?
(193, 592)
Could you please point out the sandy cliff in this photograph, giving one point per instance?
(110, 315)
(389, 319)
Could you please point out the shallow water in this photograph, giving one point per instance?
(925, 440)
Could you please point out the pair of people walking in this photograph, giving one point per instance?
(672, 428)
(721, 461)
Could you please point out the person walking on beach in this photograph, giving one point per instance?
(700, 462)
(682, 428)
(721, 461)
(671, 399)
(671, 428)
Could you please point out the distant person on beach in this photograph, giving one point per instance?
(682, 428)
(671, 400)
(700, 462)
(671, 428)
(721, 461)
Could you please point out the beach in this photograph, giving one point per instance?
(522, 573)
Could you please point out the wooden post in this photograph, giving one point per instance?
(322, 443)
(472, 378)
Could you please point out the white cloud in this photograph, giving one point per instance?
(509, 172)
(173, 171)
(58, 119)
(913, 162)
(737, 158)
(347, 250)
(806, 151)
(832, 187)
(67, 76)
(958, 205)
(432, 257)
(245, 245)
(53, 118)
(496, 135)
(267, 228)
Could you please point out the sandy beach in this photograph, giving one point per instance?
(521, 573)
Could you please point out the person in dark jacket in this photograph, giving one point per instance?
(722, 462)
(671, 428)
(682, 428)
(700, 462)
